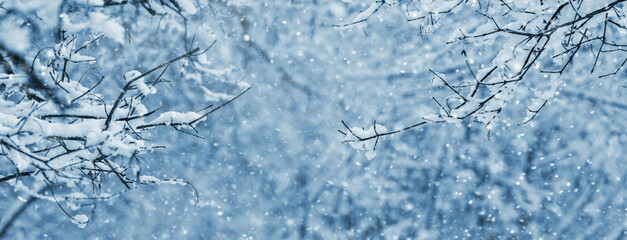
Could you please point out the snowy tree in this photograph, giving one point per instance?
(64, 138)
(531, 44)
(566, 57)
(274, 168)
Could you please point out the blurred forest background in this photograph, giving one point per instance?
(271, 164)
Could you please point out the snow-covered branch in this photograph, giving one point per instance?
(534, 39)
(60, 126)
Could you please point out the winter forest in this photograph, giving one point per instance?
(321, 119)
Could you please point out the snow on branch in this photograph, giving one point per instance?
(535, 38)
(75, 137)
